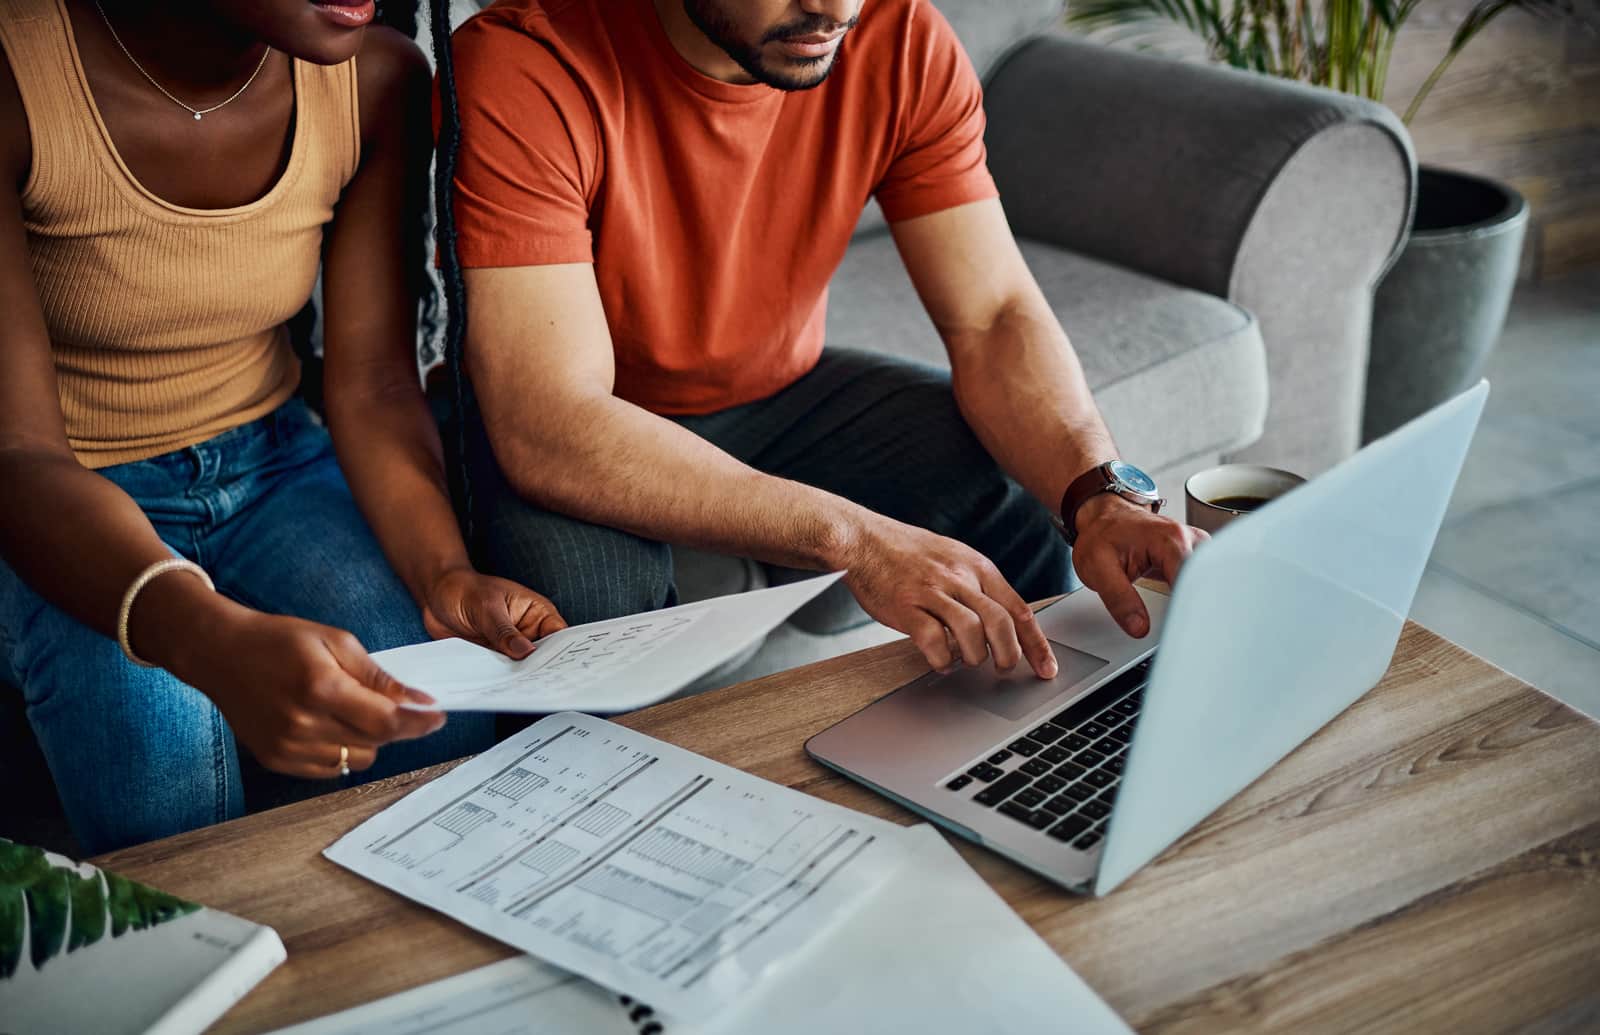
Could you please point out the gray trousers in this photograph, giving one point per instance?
(880, 431)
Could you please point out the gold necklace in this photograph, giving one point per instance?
(196, 112)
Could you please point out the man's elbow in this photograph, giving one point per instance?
(544, 455)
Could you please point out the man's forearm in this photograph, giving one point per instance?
(1021, 388)
(610, 462)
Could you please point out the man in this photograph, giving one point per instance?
(651, 197)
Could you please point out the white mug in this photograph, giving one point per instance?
(1207, 492)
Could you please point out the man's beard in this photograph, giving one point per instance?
(709, 17)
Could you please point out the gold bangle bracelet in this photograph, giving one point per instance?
(144, 579)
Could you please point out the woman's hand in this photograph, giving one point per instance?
(492, 612)
(295, 692)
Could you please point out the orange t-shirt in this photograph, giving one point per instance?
(714, 213)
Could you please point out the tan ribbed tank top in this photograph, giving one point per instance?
(166, 323)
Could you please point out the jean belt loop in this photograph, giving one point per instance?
(208, 458)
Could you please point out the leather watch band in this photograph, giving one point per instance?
(1083, 488)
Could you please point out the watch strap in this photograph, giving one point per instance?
(1081, 490)
(1085, 487)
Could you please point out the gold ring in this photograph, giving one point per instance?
(344, 760)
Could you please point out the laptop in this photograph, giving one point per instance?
(1274, 627)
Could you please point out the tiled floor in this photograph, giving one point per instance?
(1515, 576)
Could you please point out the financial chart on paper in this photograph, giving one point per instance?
(573, 661)
(637, 864)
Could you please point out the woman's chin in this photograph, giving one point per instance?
(302, 29)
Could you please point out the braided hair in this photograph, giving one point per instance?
(400, 15)
(455, 287)
(440, 223)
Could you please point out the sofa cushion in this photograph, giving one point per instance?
(1176, 372)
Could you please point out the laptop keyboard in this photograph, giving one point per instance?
(1061, 777)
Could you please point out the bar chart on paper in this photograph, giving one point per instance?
(642, 866)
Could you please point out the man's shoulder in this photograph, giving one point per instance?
(544, 23)
(893, 23)
(518, 33)
(897, 42)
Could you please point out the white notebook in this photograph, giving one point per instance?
(83, 950)
(934, 950)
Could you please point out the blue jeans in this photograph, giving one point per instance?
(138, 755)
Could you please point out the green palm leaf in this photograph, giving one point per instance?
(48, 907)
(88, 910)
(13, 920)
(60, 909)
(20, 869)
(1345, 44)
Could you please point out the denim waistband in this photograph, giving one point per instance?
(207, 481)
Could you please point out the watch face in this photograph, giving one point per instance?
(1133, 478)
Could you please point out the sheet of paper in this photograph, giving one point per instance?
(518, 996)
(651, 870)
(934, 950)
(610, 666)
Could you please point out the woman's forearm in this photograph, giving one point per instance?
(79, 541)
(388, 447)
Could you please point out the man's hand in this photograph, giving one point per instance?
(936, 590)
(491, 612)
(1120, 541)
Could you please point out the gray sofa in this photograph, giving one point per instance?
(1209, 238)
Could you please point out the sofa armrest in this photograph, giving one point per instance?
(1288, 200)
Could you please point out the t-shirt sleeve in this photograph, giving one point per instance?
(939, 160)
(527, 167)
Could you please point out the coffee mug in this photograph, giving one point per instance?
(1218, 495)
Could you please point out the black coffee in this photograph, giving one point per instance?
(1243, 504)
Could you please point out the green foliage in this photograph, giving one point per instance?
(62, 910)
(47, 915)
(88, 911)
(135, 906)
(13, 919)
(1341, 44)
(20, 868)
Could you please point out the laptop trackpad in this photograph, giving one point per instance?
(1016, 693)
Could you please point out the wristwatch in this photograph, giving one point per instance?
(1116, 476)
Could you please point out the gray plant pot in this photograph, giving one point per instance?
(1441, 308)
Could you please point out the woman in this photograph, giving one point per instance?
(179, 170)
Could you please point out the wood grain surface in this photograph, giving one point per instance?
(1429, 861)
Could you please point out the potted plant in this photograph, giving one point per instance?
(1440, 309)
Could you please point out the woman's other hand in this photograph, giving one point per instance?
(489, 611)
(296, 692)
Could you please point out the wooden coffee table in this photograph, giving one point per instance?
(1430, 861)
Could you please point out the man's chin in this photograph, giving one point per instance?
(787, 73)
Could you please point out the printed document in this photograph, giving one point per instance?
(646, 868)
(518, 996)
(612, 666)
(935, 950)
